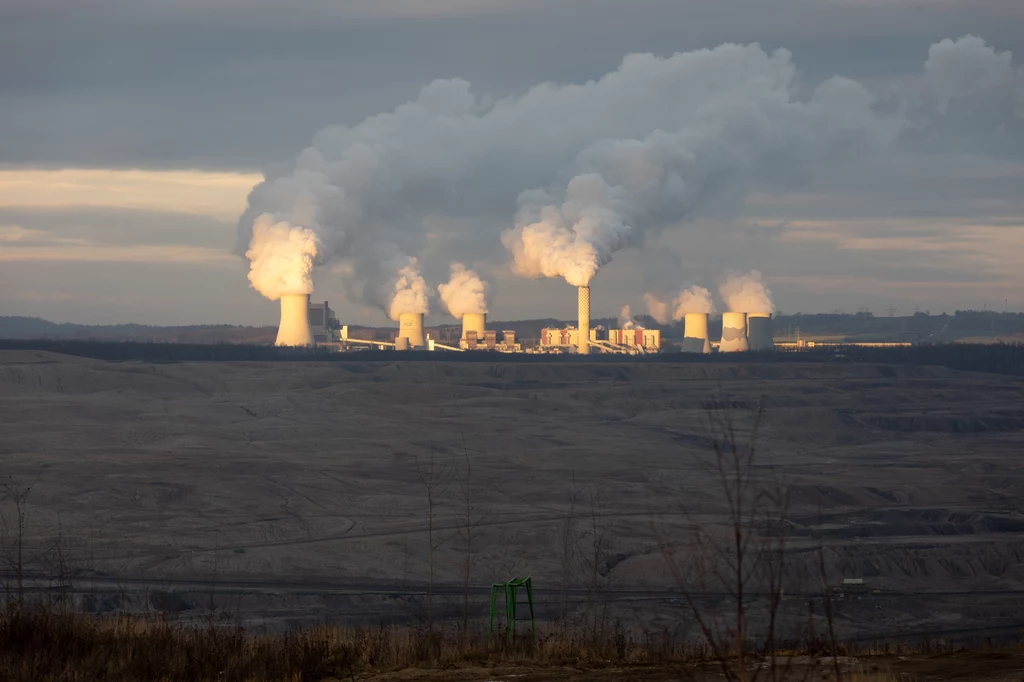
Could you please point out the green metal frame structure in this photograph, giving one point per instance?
(510, 590)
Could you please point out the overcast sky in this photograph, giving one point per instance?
(131, 132)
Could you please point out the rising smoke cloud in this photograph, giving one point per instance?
(406, 291)
(693, 299)
(746, 293)
(464, 293)
(743, 127)
(281, 258)
(660, 310)
(626, 320)
(592, 168)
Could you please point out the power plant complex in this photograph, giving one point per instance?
(304, 323)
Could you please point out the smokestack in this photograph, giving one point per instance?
(759, 332)
(584, 323)
(410, 326)
(734, 333)
(474, 322)
(695, 336)
(294, 327)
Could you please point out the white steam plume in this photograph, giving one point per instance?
(281, 258)
(626, 320)
(693, 299)
(571, 240)
(658, 309)
(406, 291)
(464, 293)
(746, 293)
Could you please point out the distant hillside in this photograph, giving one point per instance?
(36, 328)
(964, 325)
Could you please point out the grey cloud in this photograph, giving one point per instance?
(904, 184)
(225, 83)
(965, 66)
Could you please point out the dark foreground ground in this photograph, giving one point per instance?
(965, 666)
(280, 494)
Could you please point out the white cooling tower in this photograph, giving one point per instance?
(695, 334)
(734, 333)
(410, 326)
(759, 332)
(474, 322)
(584, 324)
(294, 327)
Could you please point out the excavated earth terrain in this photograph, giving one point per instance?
(288, 493)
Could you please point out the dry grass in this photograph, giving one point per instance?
(46, 645)
(42, 645)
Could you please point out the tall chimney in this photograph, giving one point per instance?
(584, 324)
(294, 327)
(734, 333)
(474, 322)
(759, 332)
(695, 334)
(410, 326)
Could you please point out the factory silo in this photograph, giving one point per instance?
(294, 327)
(760, 336)
(410, 326)
(734, 333)
(583, 345)
(695, 333)
(474, 322)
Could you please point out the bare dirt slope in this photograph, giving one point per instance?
(297, 488)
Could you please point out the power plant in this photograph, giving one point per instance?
(759, 332)
(623, 341)
(294, 327)
(734, 333)
(696, 339)
(308, 324)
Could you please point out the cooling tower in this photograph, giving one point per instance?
(584, 325)
(759, 331)
(474, 322)
(734, 333)
(695, 336)
(294, 327)
(410, 326)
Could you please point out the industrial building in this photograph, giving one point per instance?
(636, 340)
(638, 337)
(323, 323)
(506, 343)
